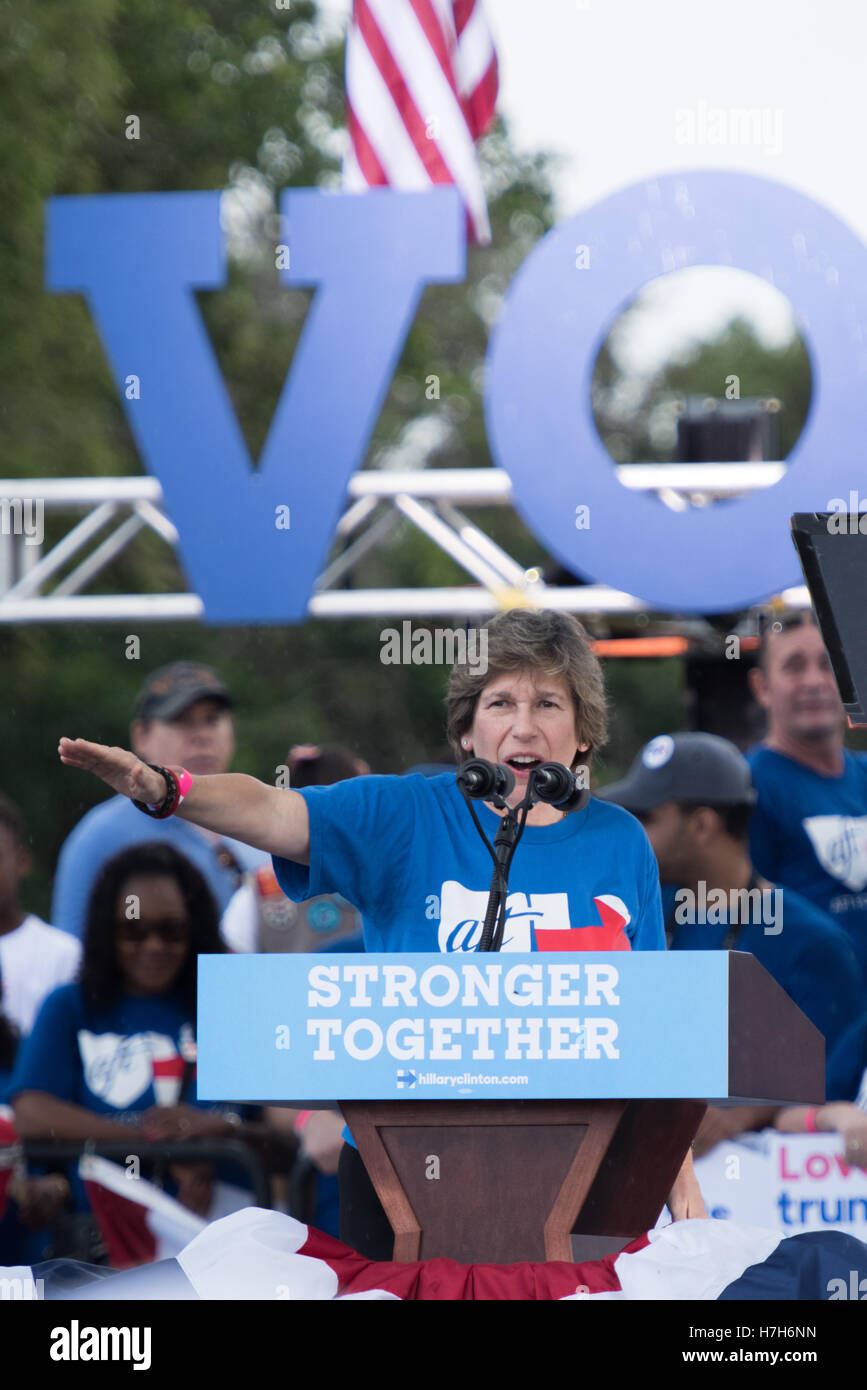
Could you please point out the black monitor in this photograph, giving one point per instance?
(832, 549)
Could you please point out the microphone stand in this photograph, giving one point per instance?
(506, 839)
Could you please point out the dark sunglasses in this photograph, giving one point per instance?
(171, 933)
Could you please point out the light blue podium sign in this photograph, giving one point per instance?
(516, 1026)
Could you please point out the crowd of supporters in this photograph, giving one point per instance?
(98, 1009)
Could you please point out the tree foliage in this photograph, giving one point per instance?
(248, 99)
(636, 414)
(126, 96)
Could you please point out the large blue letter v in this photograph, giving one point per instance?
(138, 258)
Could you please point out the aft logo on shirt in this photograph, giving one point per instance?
(531, 920)
(462, 916)
(118, 1069)
(840, 845)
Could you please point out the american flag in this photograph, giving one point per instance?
(421, 87)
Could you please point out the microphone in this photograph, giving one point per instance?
(482, 780)
(554, 783)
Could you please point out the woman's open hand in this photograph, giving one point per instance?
(118, 768)
(685, 1201)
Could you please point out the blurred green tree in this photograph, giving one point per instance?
(636, 413)
(119, 96)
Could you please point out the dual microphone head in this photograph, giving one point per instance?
(550, 782)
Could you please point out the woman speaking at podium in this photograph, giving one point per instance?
(405, 851)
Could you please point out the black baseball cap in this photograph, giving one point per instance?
(695, 767)
(170, 690)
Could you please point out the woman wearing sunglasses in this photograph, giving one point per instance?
(113, 1056)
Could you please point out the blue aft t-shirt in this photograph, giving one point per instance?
(810, 958)
(809, 832)
(116, 1060)
(405, 851)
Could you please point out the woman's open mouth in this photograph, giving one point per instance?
(523, 764)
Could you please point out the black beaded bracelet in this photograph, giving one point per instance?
(166, 807)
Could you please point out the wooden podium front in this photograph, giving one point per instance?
(513, 1179)
(473, 1172)
(506, 1181)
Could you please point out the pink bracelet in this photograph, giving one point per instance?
(177, 788)
(301, 1120)
(810, 1120)
(185, 781)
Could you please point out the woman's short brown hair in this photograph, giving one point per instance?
(524, 639)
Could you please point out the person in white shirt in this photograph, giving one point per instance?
(34, 957)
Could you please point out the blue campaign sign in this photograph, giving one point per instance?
(555, 1025)
(254, 541)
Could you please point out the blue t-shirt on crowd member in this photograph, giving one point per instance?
(405, 851)
(116, 825)
(810, 958)
(117, 1060)
(847, 1066)
(809, 832)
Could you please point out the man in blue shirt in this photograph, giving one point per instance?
(694, 795)
(182, 715)
(809, 831)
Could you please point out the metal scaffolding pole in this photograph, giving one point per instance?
(33, 587)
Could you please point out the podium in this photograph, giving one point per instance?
(608, 1109)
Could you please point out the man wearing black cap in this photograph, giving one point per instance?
(182, 716)
(693, 793)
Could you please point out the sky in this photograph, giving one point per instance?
(616, 89)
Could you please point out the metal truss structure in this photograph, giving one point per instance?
(39, 584)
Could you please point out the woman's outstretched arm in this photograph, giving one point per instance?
(269, 818)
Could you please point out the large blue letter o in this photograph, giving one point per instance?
(540, 367)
